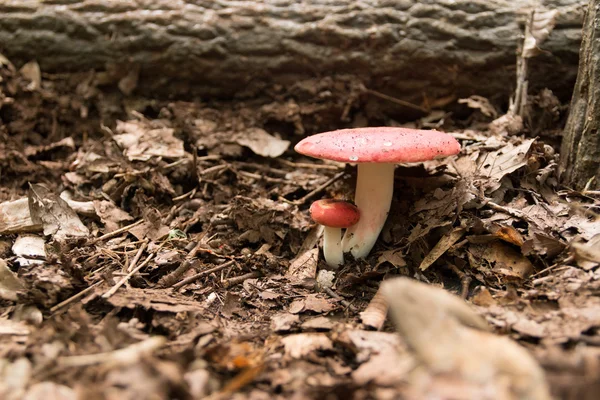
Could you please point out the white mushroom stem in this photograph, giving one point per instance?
(332, 246)
(374, 191)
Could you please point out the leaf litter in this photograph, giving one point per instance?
(178, 259)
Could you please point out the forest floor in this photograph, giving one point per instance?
(180, 260)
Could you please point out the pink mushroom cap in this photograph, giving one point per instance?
(334, 213)
(379, 145)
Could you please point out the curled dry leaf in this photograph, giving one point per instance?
(376, 312)
(54, 214)
(539, 27)
(432, 321)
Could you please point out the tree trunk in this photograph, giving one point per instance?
(580, 151)
(413, 50)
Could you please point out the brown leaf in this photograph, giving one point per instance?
(376, 312)
(57, 218)
(302, 344)
(441, 247)
(143, 140)
(500, 258)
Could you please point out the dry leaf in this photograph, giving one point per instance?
(480, 103)
(441, 247)
(58, 219)
(497, 164)
(29, 249)
(302, 344)
(261, 143)
(32, 72)
(9, 283)
(499, 258)
(142, 141)
(432, 322)
(538, 29)
(394, 257)
(304, 266)
(283, 322)
(376, 312)
(16, 218)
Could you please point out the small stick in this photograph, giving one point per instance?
(203, 273)
(74, 297)
(397, 101)
(114, 289)
(227, 283)
(169, 279)
(117, 232)
(308, 165)
(336, 296)
(138, 255)
(315, 191)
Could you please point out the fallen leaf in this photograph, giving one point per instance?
(480, 103)
(142, 140)
(283, 322)
(376, 312)
(58, 219)
(441, 247)
(29, 249)
(317, 324)
(500, 258)
(32, 72)
(497, 164)
(16, 218)
(261, 143)
(304, 266)
(9, 283)
(302, 344)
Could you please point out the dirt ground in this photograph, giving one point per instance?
(184, 264)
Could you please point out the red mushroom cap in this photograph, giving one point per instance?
(334, 213)
(379, 145)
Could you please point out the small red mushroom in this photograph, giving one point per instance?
(375, 150)
(334, 215)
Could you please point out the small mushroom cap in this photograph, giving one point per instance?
(379, 145)
(334, 213)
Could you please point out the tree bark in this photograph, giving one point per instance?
(580, 151)
(413, 50)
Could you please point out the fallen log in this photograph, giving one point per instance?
(420, 51)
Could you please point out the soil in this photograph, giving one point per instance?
(194, 270)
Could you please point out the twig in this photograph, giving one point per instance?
(302, 200)
(336, 296)
(465, 280)
(203, 273)
(114, 289)
(397, 101)
(137, 256)
(227, 283)
(74, 298)
(125, 356)
(169, 279)
(307, 165)
(117, 232)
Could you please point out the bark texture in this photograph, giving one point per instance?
(580, 151)
(406, 48)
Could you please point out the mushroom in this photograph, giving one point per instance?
(334, 215)
(375, 150)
